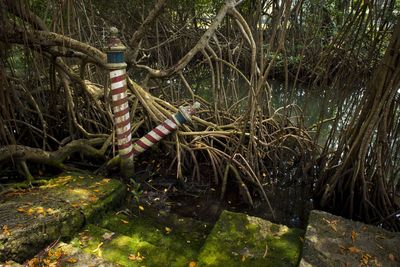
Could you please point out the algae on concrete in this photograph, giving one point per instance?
(241, 240)
(36, 217)
(150, 248)
(67, 255)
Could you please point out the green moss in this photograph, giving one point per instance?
(241, 240)
(170, 242)
(144, 245)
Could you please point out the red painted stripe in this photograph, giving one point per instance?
(141, 144)
(118, 78)
(119, 90)
(126, 145)
(123, 123)
(120, 101)
(123, 135)
(121, 113)
(158, 132)
(150, 138)
(126, 156)
(169, 128)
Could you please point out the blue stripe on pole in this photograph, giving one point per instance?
(180, 118)
(115, 57)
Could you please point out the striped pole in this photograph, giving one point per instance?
(168, 126)
(117, 66)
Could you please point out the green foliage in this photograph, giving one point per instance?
(136, 190)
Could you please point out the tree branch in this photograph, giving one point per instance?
(18, 35)
(201, 44)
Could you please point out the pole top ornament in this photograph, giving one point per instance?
(114, 43)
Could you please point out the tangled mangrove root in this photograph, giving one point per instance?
(56, 104)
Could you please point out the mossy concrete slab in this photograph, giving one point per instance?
(138, 241)
(241, 240)
(67, 255)
(334, 241)
(31, 219)
(192, 230)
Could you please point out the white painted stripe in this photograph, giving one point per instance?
(122, 118)
(125, 150)
(171, 124)
(118, 84)
(124, 140)
(124, 129)
(116, 73)
(118, 96)
(138, 148)
(146, 141)
(118, 108)
(163, 129)
(155, 136)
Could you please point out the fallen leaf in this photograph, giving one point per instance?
(33, 262)
(106, 180)
(30, 211)
(353, 250)
(137, 257)
(71, 260)
(40, 210)
(391, 257)
(365, 258)
(132, 257)
(98, 247)
(243, 258)
(49, 263)
(93, 198)
(124, 221)
(332, 224)
(50, 211)
(21, 210)
(266, 251)
(192, 264)
(342, 249)
(168, 230)
(6, 231)
(58, 253)
(353, 235)
(141, 208)
(108, 235)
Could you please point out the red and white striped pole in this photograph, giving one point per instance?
(117, 66)
(168, 126)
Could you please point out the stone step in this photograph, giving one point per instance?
(335, 241)
(67, 255)
(241, 240)
(31, 219)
